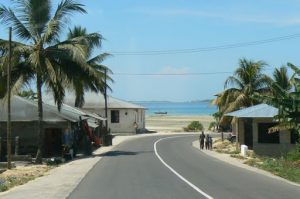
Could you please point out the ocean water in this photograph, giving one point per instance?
(179, 108)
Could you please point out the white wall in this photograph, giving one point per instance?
(126, 122)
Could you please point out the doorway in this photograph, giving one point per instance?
(248, 132)
(53, 142)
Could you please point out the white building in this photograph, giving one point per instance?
(123, 117)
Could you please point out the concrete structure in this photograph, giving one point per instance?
(251, 125)
(57, 125)
(123, 117)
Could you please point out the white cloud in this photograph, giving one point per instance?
(262, 19)
(286, 19)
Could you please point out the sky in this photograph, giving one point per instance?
(140, 25)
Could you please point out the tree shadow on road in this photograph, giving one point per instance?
(121, 153)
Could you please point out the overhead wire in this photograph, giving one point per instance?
(170, 74)
(178, 74)
(205, 49)
(194, 50)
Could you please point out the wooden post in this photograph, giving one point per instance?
(8, 104)
(0, 148)
(237, 135)
(105, 101)
(16, 145)
(105, 98)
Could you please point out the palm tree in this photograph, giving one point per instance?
(81, 85)
(21, 74)
(52, 63)
(247, 80)
(281, 77)
(29, 94)
(287, 101)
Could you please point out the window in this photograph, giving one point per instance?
(294, 137)
(264, 136)
(115, 116)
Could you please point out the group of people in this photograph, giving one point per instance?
(205, 140)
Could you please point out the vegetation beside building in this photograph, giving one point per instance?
(194, 126)
(21, 175)
(287, 166)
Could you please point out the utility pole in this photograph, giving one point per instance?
(105, 101)
(8, 103)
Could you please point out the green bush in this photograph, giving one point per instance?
(212, 125)
(3, 186)
(294, 155)
(194, 126)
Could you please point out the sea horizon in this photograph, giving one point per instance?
(192, 108)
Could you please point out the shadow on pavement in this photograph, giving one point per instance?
(121, 153)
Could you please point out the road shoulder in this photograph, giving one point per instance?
(239, 163)
(61, 181)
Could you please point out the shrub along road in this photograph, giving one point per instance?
(133, 170)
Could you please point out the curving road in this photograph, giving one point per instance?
(174, 169)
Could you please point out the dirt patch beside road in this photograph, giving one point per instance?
(21, 175)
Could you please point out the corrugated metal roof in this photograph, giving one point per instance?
(27, 110)
(96, 101)
(257, 111)
(69, 111)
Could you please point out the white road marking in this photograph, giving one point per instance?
(175, 172)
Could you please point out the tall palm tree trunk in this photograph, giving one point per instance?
(39, 154)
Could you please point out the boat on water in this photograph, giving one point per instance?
(161, 113)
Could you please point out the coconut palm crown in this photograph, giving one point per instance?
(81, 85)
(247, 80)
(39, 56)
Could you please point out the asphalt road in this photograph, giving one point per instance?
(134, 171)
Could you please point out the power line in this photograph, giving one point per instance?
(170, 74)
(179, 74)
(212, 48)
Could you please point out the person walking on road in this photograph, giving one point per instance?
(206, 141)
(210, 142)
(201, 140)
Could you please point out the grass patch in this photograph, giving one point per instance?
(21, 175)
(238, 156)
(282, 168)
(224, 147)
(13, 181)
(287, 166)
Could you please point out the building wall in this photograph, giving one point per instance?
(264, 148)
(271, 149)
(28, 136)
(241, 135)
(238, 129)
(126, 122)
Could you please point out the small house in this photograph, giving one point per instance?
(122, 117)
(59, 126)
(252, 124)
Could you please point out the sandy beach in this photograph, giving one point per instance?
(172, 123)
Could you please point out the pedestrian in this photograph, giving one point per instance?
(201, 140)
(210, 142)
(206, 141)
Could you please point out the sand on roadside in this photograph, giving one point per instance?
(175, 123)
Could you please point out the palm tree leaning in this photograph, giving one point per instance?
(247, 80)
(51, 62)
(81, 85)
